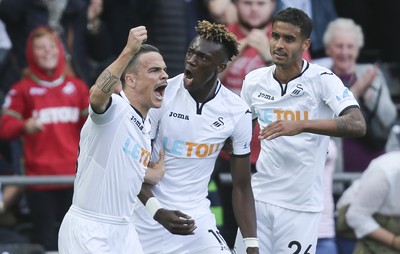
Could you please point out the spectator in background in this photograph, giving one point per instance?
(343, 40)
(69, 18)
(46, 109)
(326, 243)
(373, 208)
(222, 11)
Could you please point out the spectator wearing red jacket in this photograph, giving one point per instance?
(46, 109)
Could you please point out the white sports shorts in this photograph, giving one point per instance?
(283, 231)
(86, 232)
(155, 239)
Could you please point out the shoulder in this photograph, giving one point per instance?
(254, 76)
(117, 99)
(25, 87)
(232, 101)
(173, 86)
(175, 83)
(314, 69)
(79, 85)
(321, 74)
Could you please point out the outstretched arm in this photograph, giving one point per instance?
(350, 124)
(242, 198)
(108, 80)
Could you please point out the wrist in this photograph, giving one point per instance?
(153, 205)
(251, 242)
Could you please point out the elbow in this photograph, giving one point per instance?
(363, 127)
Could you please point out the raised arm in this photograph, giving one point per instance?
(108, 80)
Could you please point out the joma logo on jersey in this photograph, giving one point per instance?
(137, 122)
(189, 149)
(136, 151)
(270, 115)
(178, 115)
(266, 96)
(219, 124)
(298, 91)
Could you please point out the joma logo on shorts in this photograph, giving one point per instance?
(179, 115)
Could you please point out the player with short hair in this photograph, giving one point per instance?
(298, 106)
(197, 116)
(114, 152)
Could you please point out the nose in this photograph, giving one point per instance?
(254, 7)
(278, 43)
(164, 75)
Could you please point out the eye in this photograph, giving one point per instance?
(189, 52)
(291, 39)
(203, 57)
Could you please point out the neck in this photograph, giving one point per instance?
(136, 103)
(207, 92)
(286, 73)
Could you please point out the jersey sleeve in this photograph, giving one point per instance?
(117, 106)
(246, 94)
(241, 136)
(335, 94)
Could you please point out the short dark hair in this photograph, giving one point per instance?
(144, 48)
(295, 17)
(219, 34)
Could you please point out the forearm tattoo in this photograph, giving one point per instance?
(347, 126)
(106, 81)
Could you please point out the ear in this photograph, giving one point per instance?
(130, 79)
(306, 44)
(221, 67)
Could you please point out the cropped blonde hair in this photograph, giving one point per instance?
(343, 24)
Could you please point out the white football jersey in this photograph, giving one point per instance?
(114, 152)
(192, 135)
(290, 168)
